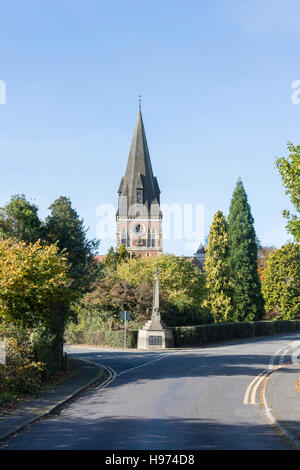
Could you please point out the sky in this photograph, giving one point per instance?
(216, 84)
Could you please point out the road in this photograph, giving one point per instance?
(204, 398)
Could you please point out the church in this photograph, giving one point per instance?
(139, 218)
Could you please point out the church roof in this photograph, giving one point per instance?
(139, 173)
(201, 250)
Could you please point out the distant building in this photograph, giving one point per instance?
(139, 218)
(99, 258)
(199, 256)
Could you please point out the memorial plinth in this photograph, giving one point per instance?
(155, 334)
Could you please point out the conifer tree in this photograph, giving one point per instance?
(243, 251)
(216, 269)
(64, 227)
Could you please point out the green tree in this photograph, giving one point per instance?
(281, 283)
(115, 257)
(64, 227)
(289, 169)
(243, 252)
(19, 220)
(181, 285)
(217, 271)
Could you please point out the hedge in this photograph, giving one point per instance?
(187, 336)
(114, 338)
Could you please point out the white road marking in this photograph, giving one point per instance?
(144, 364)
(111, 377)
(283, 356)
(274, 357)
(295, 355)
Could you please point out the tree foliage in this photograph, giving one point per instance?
(115, 257)
(289, 169)
(32, 278)
(217, 270)
(281, 283)
(246, 290)
(263, 255)
(110, 295)
(19, 220)
(181, 283)
(34, 289)
(64, 227)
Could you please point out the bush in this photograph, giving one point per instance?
(28, 359)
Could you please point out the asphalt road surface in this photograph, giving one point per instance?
(204, 398)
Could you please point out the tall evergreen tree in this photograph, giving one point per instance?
(64, 227)
(216, 270)
(243, 252)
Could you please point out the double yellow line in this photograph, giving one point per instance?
(253, 386)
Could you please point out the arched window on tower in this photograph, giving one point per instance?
(124, 237)
(128, 238)
(154, 238)
(149, 238)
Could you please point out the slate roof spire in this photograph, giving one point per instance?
(139, 173)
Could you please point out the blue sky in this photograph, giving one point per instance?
(215, 79)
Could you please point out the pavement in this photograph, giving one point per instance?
(33, 410)
(281, 398)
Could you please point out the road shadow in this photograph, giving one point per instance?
(132, 433)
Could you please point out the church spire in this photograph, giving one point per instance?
(139, 184)
(139, 217)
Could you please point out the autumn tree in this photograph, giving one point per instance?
(263, 255)
(247, 299)
(34, 288)
(111, 294)
(289, 169)
(281, 283)
(217, 270)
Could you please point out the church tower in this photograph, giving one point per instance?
(139, 216)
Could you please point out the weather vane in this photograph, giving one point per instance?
(140, 100)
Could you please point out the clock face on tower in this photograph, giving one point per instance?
(139, 229)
